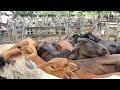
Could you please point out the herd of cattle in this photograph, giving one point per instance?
(77, 56)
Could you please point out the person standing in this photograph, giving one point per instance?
(2, 31)
(99, 23)
(111, 16)
(4, 19)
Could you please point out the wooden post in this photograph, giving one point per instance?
(66, 28)
(118, 28)
(117, 25)
(60, 34)
(82, 26)
(23, 31)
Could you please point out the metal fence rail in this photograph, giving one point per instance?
(21, 30)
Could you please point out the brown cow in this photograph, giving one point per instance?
(68, 43)
(35, 58)
(5, 47)
(59, 67)
(62, 45)
(83, 74)
(26, 47)
(100, 65)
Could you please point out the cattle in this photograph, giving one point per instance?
(68, 43)
(87, 49)
(46, 51)
(65, 37)
(24, 69)
(73, 39)
(35, 58)
(97, 34)
(5, 47)
(60, 67)
(62, 45)
(83, 74)
(100, 65)
(110, 77)
(108, 53)
(71, 36)
(112, 46)
(26, 47)
(2, 61)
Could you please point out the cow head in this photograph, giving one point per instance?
(60, 67)
(62, 45)
(87, 49)
(22, 48)
(92, 36)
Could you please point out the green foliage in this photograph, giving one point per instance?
(24, 13)
(96, 12)
(61, 13)
(58, 13)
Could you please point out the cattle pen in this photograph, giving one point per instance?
(19, 31)
(75, 45)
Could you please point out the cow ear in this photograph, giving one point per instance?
(74, 50)
(59, 47)
(90, 32)
(45, 42)
(35, 44)
(90, 36)
(25, 43)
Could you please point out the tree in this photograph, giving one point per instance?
(60, 13)
(24, 13)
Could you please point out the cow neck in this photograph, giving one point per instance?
(79, 54)
(45, 55)
(96, 39)
(84, 74)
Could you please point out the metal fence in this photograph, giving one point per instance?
(21, 30)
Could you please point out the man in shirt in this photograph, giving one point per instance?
(4, 19)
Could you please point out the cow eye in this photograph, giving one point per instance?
(53, 67)
(19, 47)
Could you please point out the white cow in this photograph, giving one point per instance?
(5, 47)
(20, 70)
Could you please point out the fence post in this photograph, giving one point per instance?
(66, 28)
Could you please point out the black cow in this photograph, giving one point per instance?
(87, 49)
(46, 51)
(112, 46)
